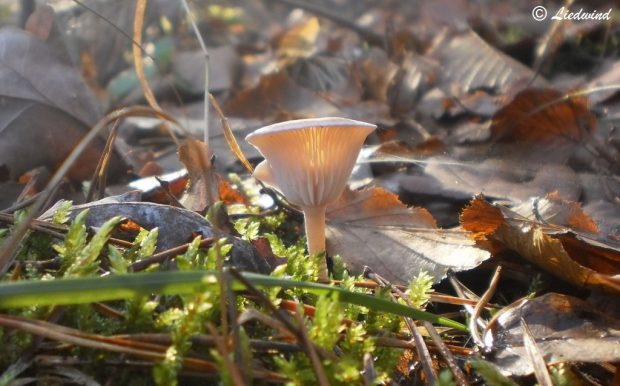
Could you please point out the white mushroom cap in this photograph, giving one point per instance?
(309, 160)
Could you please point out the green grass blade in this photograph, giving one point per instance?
(97, 289)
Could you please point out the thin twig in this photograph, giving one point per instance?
(484, 299)
(209, 341)
(57, 231)
(310, 350)
(438, 342)
(99, 176)
(386, 341)
(165, 186)
(461, 290)
(281, 316)
(233, 370)
(262, 299)
(9, 219)
(22, 204)
(543, 47)
(162, 256)
(78, 338)
(459, 376)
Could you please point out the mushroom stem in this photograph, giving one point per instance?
(314, 221)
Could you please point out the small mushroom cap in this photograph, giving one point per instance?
(309, 160)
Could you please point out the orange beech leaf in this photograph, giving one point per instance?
(228, 194)
(481, 218)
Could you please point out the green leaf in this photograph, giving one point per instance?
(74, 241)
(148, 243)
(61, 216)
(86, 261)
(118, 264)
(77, 290)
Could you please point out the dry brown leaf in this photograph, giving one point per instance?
(46, 109)
(31, 70)
(279, 97)
(470, 64)
(41, 22)
(607, 216)
(276, 94)
(481, 218)
(556, 248)
(414, 77)
(372, 227)
(566, 329)
(538, 116)
(552, 209)
(129, 226)
(203, 189)
(231, 140)
(584, 243)
(508, 179)
(326, 74)
(377, 71)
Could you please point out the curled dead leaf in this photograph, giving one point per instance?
(203, 181)
(556, 247)
(373, 228)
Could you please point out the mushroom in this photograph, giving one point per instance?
(309, 161)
